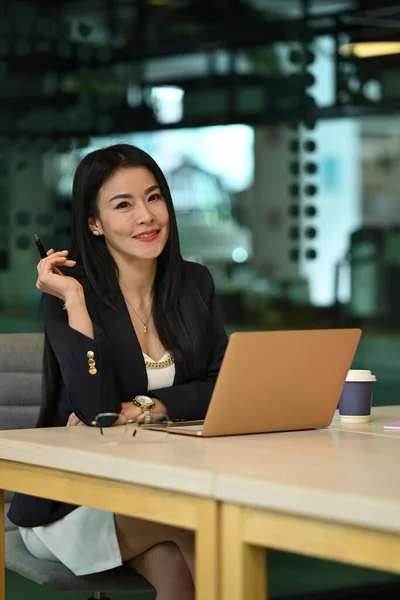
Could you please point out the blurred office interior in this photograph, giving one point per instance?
(276, 123)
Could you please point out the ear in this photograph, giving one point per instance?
(95, 225)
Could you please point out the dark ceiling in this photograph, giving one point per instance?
(62, 63)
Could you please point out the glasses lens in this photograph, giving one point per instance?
(154, 432)
(112, 426)
(106, 420)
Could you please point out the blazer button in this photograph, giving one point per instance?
(93, 370)
(90, 354)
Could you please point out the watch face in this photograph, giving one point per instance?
(145, 401)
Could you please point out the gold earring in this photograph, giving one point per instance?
(94, 232)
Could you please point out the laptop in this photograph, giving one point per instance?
(273, 381)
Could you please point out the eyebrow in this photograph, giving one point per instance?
(152, 188)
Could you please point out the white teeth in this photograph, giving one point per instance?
(146, 235)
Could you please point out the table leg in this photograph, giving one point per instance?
(243, 567)
(2, 549)
(207, 554)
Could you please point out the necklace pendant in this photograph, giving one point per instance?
(145, 328)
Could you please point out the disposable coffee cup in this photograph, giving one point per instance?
(356, 399)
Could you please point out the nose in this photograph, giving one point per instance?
(143, 213)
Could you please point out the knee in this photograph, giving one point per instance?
(164, 566)
(169, 556)
(168, 570)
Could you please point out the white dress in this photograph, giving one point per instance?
(85, 540)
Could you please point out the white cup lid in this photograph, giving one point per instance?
(360, 375)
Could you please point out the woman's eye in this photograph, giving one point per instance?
(155, 197)
(122, 205)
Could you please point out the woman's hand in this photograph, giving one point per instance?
(74, 421)
(50, 279)
(132, 412)
(129, 412)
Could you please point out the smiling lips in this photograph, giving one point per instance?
(147, 236)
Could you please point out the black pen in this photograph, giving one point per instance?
(42, 251)
(43, 254)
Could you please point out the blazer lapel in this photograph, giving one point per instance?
(179, 375)
(125, 351)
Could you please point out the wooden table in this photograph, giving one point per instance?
(380, 416)
(332, 494)
(169, 482)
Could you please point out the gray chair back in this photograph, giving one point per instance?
(20, 384)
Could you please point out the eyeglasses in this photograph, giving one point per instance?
(115, 428)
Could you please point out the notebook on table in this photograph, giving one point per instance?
(394, 425)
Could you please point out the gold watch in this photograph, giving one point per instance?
(146, 404)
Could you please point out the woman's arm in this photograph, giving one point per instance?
(78, 316)
(189, 401)
(74, 338)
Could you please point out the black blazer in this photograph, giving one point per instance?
(121, 375)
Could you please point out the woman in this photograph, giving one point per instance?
(128, 302)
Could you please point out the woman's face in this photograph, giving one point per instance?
(133, 215)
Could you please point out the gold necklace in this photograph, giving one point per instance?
(161, 364)
(144, 323)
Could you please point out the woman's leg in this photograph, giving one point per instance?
(165, 568)
(164, 555)
(136, 536)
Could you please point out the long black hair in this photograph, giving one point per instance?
(181, 317)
